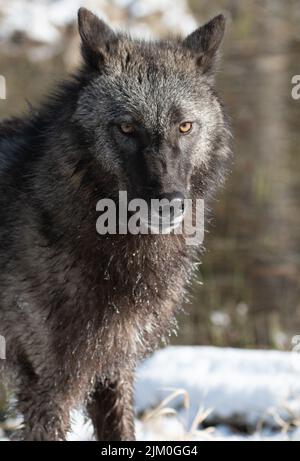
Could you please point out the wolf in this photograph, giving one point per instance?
(78, 310)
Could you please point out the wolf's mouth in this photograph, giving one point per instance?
(163, 225)
(166, 214)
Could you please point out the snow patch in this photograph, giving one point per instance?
(245, 385)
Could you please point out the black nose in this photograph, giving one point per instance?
(177, 200)
(175, 197)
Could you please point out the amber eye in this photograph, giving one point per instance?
(185, 127)
(127, 128)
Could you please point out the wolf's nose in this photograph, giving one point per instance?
(173, 198)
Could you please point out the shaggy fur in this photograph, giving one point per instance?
(77, 309)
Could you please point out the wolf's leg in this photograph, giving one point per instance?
(43, 401)
(46, 413)
(45, 409)
(111, 409)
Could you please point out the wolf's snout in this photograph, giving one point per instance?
(174, 199)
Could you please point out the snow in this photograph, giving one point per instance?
(170, 430)
(247, 386)
(233, 388)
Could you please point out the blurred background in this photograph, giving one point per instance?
(246, 293)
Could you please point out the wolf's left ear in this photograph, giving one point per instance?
(98, 39)
(205, 41)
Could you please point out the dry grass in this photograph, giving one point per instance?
(189, 431)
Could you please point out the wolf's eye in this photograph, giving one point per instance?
(185, 127)
(127, 128)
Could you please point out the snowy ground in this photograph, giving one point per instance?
(249, 394)
(207, 393)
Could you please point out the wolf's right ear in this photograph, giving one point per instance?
(98, 40)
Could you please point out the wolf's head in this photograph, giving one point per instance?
(150, 109)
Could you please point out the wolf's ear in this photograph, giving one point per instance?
(98, 40)
(205, 41)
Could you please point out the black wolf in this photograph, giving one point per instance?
(79, 309)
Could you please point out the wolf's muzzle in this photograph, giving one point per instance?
(167, 212)
(171, 206)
